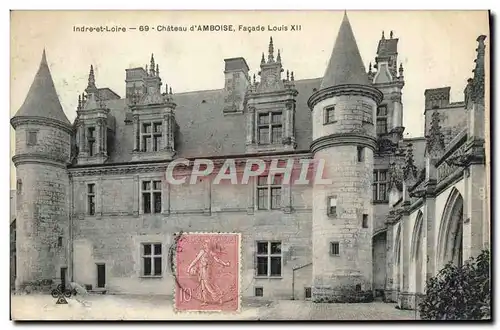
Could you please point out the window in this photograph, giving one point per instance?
(365, 221)
(335, 248)
(307, 293)
(151, 259)
(269, 195)
(270, 128)
(32, 138)
(329, 115)
(332, 206)
(269, 259)
(91, 198)
(259, 291)
(361, 154)
(151, 134)
(380, 185)
(59, 241)
(91, 140)
(19, 186)
(151, 196)
(382, 120)
(358, 287)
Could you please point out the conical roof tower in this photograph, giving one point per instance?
(345, 65)
(42, 100)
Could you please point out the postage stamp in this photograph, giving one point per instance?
(207, 272)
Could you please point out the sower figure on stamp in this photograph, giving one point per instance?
(202, 266)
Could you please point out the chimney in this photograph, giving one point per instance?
(437, 98)
(134, 80)
(236, 84)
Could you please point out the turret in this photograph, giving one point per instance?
(42, 153)
(344, 139)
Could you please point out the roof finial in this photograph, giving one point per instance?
(254, 79)
(170, 91)
(157, 70)
(91, 83)
(278, 58)
(383, 35)
(270, 57)
(146, 68)
(152, 66)
(79, 102)
(166, 88)
(370, 68)
(263, 60)
(44, 58)
(401, 70)
(291, 76)
(391, 34)
(287, 75)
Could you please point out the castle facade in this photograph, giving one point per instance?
(93, 204)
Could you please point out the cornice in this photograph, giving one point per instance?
(39, 158)
(362, 90)
(20, 120)
(343, 139)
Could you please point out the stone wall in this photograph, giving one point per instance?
(42, 217)
(115, 234)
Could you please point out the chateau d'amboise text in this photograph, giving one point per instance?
(187, 28)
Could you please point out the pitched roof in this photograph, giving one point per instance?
(42, 99)
(346, 65)
(204, 130)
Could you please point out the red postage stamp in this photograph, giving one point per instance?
(207, 272)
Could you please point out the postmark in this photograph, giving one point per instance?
(207, 272)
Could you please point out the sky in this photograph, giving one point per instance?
(436, 48)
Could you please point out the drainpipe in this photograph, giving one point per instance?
(293, 278)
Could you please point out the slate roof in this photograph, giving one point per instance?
(42, 99)
(203, 129)
(345, 65)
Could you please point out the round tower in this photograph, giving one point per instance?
(42, 152)
(344, 138)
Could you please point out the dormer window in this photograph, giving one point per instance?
(382, 120)
(151, 134)
(270, 128)
(329, 114)
(91, 140)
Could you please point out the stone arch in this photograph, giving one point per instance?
(450, 234)
(416, 251)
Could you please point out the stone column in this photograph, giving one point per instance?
(165, 132)
(207, 187)
(474, 211)
(251, 195)
(286, 197)
(171, 137)
(397, 114)
(105, 137)
(250, 125)
(97, 143)
(81, 142)
(405, 296)
(136, 133)
(389, 257)
(165, 195)
(136, 196)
